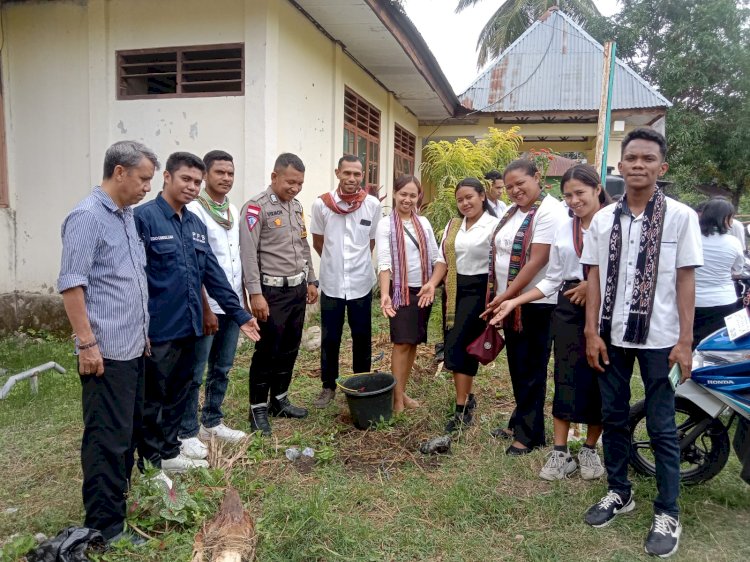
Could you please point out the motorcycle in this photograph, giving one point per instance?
(707, 405)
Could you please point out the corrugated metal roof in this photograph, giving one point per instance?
(555, 65)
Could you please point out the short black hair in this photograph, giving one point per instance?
(216, 156)
(349, 158)
(177, 160)
(526, 165)
(493, 175)
(286, 159)
(645, 133)
(714, 216)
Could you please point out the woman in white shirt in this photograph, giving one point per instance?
(577, 397)
(463, 262)
(522, 240)
(715, 296)
(406, 251)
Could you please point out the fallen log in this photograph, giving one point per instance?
(230, 536)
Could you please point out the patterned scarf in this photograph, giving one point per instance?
(578, 243)
(519, 252)
(646, 270)
(216, 210)
(451, 277)
(398, 258)
(354, 200)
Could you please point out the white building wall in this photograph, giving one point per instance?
(62, 112)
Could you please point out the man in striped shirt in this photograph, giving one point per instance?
(105, 293)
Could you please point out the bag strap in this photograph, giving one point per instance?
(411, 236)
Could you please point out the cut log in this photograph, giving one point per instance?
(229, 536)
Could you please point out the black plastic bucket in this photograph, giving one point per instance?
(370, 397)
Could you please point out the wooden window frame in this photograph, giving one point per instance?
(4, 195)
(363, 122)
(179, 63)
(404, 148)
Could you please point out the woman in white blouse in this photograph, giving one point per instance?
(715, 296)
(463, 262)
(522, 240)
(577, 397)
(406, 251)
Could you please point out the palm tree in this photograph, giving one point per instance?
(513, 17)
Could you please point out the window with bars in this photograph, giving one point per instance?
(362, 137)
(207, 70)
(405, 147)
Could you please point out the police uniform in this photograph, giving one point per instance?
(276, 262)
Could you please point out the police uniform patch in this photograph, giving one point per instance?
(277, 222)
(252, 215)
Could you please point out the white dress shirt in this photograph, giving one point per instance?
(547, 220)
(738, 231)
(225, 245)
(498, 206)
(346, 270)
(472, 246)
(413, 259)
(680, 247)
(722, 256)
(564, 264)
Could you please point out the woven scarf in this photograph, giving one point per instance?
(519, 251)
(216, 210)
(578, 243)
(646, 270)
(354, 200)
(451, 277)
(398, 258)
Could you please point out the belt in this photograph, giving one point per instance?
(291, 281)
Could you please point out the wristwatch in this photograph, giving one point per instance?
(317, 285)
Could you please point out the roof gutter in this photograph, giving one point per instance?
(415, 47)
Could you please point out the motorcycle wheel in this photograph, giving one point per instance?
(700, 461)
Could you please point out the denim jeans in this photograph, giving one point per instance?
(614, 384)
(217, 351)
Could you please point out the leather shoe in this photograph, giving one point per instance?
(285, 409)
(259, 420)
(325, 398)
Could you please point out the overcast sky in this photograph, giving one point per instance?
(453, 37)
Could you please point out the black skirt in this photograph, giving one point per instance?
(471, 292)
(410, 323)
(577, 398)
(708, 319)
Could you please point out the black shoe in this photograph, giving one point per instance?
(135, 540)
(471, 403)
(439, 352)
(259, 420)
(459, 421)
(285, 409)
(502, 433)
(517, 451)
(664, 537)
(602, 513)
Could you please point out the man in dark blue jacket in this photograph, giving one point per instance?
(179, 261)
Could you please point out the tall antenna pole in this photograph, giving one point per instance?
(605, 108)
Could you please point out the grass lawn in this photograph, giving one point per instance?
(371, 496)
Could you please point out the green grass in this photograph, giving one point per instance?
(374, 497)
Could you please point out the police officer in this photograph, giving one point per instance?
(279, 277)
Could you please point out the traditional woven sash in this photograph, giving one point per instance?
(519, 252)
(398, 258)
(354, 200)
(646, 270)
(451, 277)
(216, 210)
(578, 243)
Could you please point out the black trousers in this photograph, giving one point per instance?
(169, 372)
(112, 409)
(276, 352)
(528, 356)
(359, 314)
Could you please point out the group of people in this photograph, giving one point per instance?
(157, 295)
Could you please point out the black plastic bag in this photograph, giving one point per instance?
(68, 546)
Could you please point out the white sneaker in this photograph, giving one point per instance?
(193, 448)
(221, 432)
(161, 477)
(181, 463)
(591, 464)
(559, 465)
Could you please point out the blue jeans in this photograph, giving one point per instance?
(614, 384)
(216, 351)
